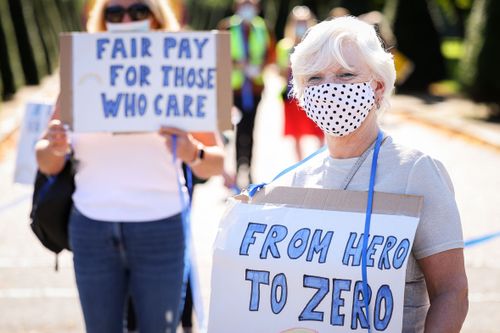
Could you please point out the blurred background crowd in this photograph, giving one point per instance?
(445, 46)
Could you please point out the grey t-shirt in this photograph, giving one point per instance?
(403, 171)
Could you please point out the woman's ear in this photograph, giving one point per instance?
(379, 91)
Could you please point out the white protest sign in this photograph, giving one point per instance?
(287, 269)
(133, 82)
(36, 118)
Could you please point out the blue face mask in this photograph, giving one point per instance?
(247, 12)
(300, 30)
(134, 26)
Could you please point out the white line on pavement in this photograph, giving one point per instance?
(28, 293)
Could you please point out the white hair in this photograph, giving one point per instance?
(322, 47)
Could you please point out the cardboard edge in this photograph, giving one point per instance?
(339, 200)
(66, 78)
(224, 89)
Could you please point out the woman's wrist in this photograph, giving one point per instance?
(199, 155)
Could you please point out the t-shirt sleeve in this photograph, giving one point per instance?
(440, 228)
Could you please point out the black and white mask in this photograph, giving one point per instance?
(338, 109)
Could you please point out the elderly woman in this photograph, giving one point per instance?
(343, 79)
(125, 228)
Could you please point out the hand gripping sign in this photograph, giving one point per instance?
(133, 82)
(291, 262)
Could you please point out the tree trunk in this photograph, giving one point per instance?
(480, 69)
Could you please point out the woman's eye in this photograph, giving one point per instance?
(313, 79)
(346, 75)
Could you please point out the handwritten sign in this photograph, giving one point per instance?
(36, 118)
(134, 82)
(289, 269)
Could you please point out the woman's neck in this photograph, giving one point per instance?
(355, 144)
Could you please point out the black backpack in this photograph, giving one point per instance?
(52, 206)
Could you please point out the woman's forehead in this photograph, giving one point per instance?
(348, 58)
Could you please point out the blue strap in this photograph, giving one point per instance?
(186, 215)
(482, 239)
(253, 188)
(247, 101)
(369, 206)
(50, 181)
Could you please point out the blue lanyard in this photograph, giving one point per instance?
(185, 214)
(368, 217)
(253, 188)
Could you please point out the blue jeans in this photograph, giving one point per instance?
(113, 260)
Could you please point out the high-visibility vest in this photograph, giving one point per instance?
(258, 43)
(283, 50)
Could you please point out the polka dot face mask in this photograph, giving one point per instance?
(338, 109)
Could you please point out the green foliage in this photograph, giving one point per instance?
(29, 38)
(480, 70)
(419, 40)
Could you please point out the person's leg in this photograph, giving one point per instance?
(100, 272)
(244, 136)
(156, 256)
(187, 312)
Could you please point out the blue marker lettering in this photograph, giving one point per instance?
(184, 49)
(200, 106)
(358, 306)
(199, 46)
(168, 43)
(323, 287)
(114, 73)
(384, 294)
(339, 285)
(376, 240)
(248, 238)
(188, 100)
(118, 48)
(275, 235)
(401, 252)
(320, 246)
(279, 281)
(110, 107)
(352, 250)
(257, 278)
(301, 237)
(384, 262)
(101, 42)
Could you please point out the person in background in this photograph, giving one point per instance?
(344, 78)
(297, 124)
(251, 49)
(125, 229)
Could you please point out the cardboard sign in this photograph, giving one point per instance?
(36, 118)
(134, 82)
(293, 264)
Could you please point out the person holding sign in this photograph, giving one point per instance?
(125, 228)
(297, 124)
(343, 79)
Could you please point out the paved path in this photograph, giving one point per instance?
(34, 298)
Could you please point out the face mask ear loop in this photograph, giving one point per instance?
(377, 103)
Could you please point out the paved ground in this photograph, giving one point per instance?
(34, 298)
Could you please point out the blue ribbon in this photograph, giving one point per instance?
(253, 188)
(247, 101)
(368, 217)
(482, 239)
(186, 216)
